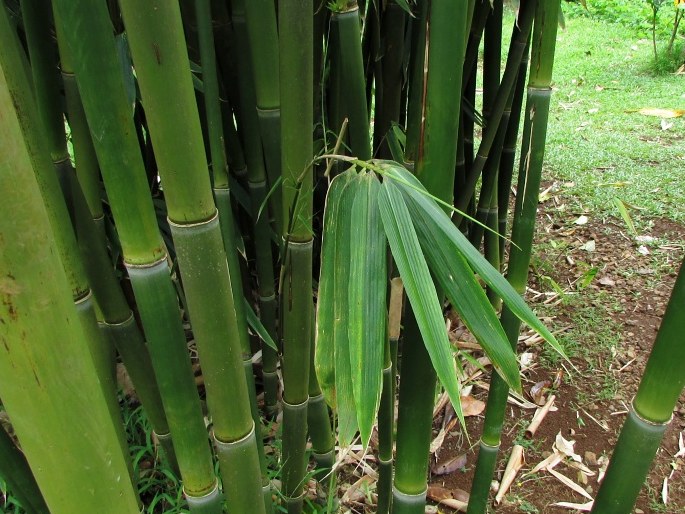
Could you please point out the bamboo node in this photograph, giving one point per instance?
(212, 219)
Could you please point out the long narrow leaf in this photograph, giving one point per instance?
(324, 358)
(415, 194)
(457, 280)
(256, 325)
(367, 303)
(332, 358)
(420, 289)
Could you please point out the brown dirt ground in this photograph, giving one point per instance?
(611, 322)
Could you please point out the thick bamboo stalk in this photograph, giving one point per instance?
(296, 80)
(532, 152)
(352, 86)
(390, 79)
(263, 37)
(651, 413)
(87, 32)
(319, 421)
(174, 125)
(435, 162)
(38, 307)
(97, 267)
(416, 82)
(258, 187)
(56, 183)
(222, 197)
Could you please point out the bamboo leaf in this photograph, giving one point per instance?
(332, 356)
(457, 280)
(623, 211)
(416, 195)
(256, 325)
(419, 286)
(326, 305)
(367, 303)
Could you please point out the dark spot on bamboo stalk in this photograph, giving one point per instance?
(11, 309)
(158, 54)
(4, 343)
(36, 377)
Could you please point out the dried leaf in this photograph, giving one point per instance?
(537, 392)
(436, 444)
(548, 463)
(566, 447)
(438, 494)
(589, 246)
(666, 125)
(455, 504)
(449, 466)
(603, 462)
(357, 491)
(661, 113)
(526, 359)
(582, 220)
(471, 406)
(584, 507)
(442, 494)
(645, 239)
(569, 483)
(607, 282)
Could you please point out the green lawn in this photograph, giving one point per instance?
(596, 141)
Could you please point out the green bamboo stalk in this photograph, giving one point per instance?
(262, 32)
(440, 106)
(173, 121)
(389, 77)
(49, 118)
(386, 412)
(416, 82)
(479, 9)
(318, 419)
(492, 58)
(651, 412)
(296, 80)
(532, 152)
(87, 169)
(508, 157)
(15, 471)
(87, 32)
(118, 323)
(353, 85)
(222, 196)
(258, 187)
(228, 91)
(335, 118)
(516, 50)
(33, 380)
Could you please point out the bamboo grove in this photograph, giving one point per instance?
(298, 188)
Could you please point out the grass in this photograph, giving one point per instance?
(598, 144)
